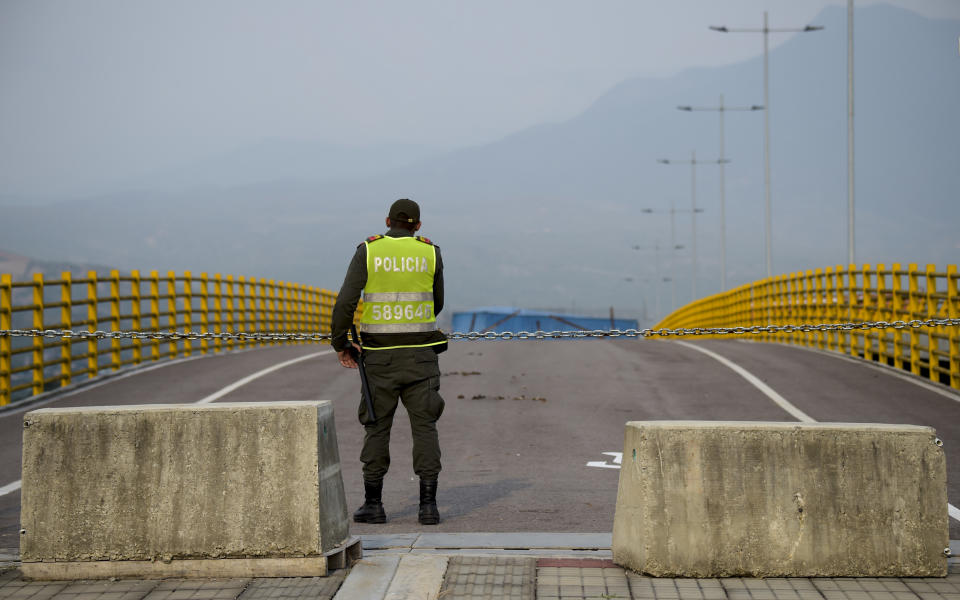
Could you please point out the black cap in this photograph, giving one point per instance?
(405, 210)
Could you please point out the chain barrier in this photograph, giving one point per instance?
(172, 336)
(259, 336)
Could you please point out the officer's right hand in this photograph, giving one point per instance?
(347, 356)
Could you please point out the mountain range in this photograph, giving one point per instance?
(549, 216)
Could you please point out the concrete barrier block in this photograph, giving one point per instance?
(248, 484)
(721, 499)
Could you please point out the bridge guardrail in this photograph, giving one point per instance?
(863, 312)
(851, 294)
(153, 302)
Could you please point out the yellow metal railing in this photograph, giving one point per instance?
(853, 294)
(134, 302)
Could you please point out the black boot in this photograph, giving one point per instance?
(429, 515)
(372, 509)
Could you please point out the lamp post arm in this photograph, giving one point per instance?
(806, 29)
(720, 108)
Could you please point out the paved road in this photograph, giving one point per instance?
(524, 418)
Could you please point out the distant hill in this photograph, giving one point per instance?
(548, 216)
(23, 268)
(283, 160)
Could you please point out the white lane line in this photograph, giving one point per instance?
(242, 382)
(108, 378)
(952, 510)
(10, 488)
(85, 387)
(936, 388)
(755, 382)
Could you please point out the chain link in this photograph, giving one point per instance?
(695, 331)
(253, 336)
(282, 336)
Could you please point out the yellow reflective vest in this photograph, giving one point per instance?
(398, 296)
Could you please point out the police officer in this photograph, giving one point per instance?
(401, 276)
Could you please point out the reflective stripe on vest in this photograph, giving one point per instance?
(398, 327)
(398, 296)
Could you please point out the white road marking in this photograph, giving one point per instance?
(601, 464)
(952, 510)
(907, 376)
(110, 378)
(242, 382)
(10, 488)
(755, 382)
(617, 459)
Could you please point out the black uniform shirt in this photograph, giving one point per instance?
(346, 305)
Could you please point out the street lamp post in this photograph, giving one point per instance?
(656, 249)
(693, 162)
(766, 31)
(658, 278)
(722, 109)
(674, 246)
(851, 248)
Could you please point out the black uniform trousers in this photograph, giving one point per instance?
(411, 375)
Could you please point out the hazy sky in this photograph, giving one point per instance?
(99, 91)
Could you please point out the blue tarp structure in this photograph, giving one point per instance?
(504, 318)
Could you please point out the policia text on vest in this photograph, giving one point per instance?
(401, 278)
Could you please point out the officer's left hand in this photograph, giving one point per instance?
(346, 357)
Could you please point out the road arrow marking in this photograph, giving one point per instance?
(617, 460)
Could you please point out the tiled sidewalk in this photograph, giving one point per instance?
(556, 583)
(582, 582)
(12, 587)
(477, 577)
(495, 573)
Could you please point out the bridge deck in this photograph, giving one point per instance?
(523, 419)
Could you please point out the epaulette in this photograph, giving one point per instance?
(372, 238)
(424, 240)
